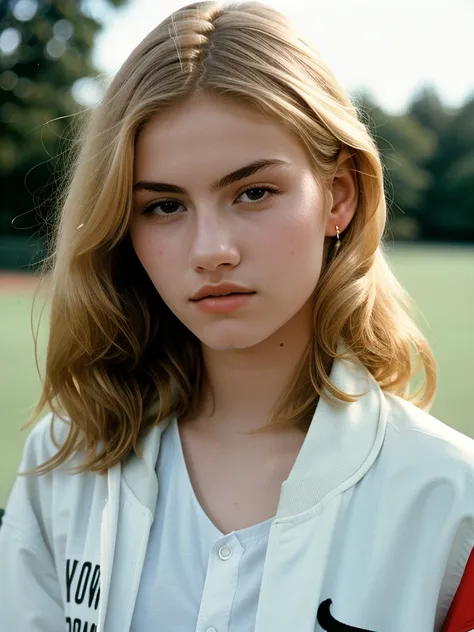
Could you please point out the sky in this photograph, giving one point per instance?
(390, 47)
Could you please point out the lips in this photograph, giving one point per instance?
(221, 295)
(226, 287)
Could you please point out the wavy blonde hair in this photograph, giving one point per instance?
(112, 369)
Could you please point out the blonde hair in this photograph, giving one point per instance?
(112, 369)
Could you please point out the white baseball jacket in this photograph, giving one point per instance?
(374, 529)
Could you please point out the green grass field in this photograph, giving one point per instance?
(440, 279)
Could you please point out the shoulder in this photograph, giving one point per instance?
(405, 417)
(45, 438)
(429, 468)
(414, 435)
(37, 500)
(43, 442)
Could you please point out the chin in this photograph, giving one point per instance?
(226, 345)
(228, 341)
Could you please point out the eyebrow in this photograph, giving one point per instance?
(230, 178)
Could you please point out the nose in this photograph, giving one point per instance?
(213, 242)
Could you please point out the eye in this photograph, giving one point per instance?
(170, 210)
(270, 190)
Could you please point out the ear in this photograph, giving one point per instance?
(344, 194)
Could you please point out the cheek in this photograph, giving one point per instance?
(298, 241)
(293, 260)
(149, 250)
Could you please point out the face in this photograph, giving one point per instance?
(265, 232)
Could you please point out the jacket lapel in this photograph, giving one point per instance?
(342, 442)
(341, 445)
(108, 536)
(127, 519)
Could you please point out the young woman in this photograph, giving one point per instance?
(233, 444)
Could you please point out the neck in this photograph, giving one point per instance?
(243, 385)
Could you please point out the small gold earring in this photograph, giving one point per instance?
(338, 242)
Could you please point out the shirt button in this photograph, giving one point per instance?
(225, 552)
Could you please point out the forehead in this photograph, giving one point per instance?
(208, 131)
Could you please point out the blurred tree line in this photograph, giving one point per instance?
(428, 154)
(45, 47)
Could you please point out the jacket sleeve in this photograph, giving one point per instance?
(30, 593)
(460, 617)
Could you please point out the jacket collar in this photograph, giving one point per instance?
(341, 444)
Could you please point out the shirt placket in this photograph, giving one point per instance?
(220, 585)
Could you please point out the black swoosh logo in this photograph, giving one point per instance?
(329, 623)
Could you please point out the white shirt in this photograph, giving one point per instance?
(195, 578)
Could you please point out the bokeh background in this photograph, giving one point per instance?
(408, 67)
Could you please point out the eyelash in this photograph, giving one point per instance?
(150, 208)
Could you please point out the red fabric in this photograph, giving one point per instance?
(460, 617)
